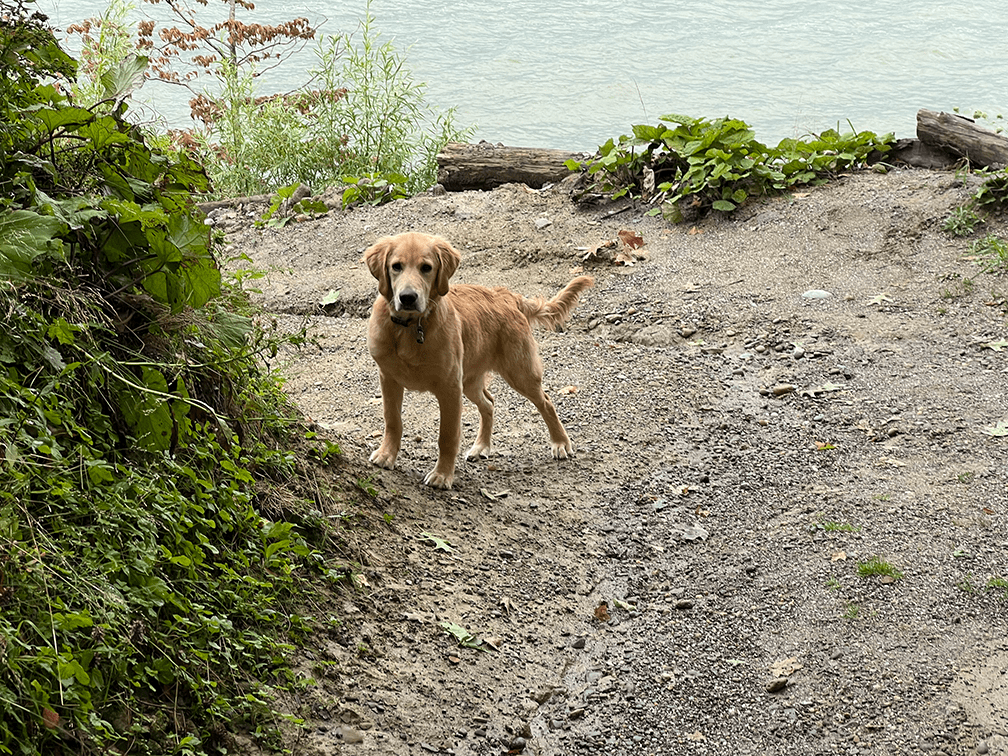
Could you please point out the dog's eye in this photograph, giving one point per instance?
(396, 266)
(426, 268)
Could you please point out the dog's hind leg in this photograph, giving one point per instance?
(529, 384)
(478, 393)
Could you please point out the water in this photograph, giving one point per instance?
(572, 74)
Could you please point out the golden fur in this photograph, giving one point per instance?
(428, 336)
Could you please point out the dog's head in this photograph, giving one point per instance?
(412, 269)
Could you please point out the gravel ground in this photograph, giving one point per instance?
(691, 581)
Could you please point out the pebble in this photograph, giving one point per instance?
(776, 685)
(350, 735)
(782, 388)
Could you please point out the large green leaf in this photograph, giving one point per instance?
(146, 411)
(24, 236)
(124, 78)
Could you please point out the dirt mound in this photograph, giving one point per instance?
(785, 527)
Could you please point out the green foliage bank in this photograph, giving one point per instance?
(718, 164)
(150, 571)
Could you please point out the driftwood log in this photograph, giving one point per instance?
(962, 137)
(485, 166)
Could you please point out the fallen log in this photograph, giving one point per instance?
(485, 166)
(962, 137)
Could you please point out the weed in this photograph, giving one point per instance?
(876, 566)
(992, 253)
(365, 485)
(390, 136)
(839, 527)
(719, 164)
(990, 197)
(962, 221)
(998, 584)
(852, 611)
(833, 583)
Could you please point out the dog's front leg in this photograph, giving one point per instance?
(392, 398)
(450, 404)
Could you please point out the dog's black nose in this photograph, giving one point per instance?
(408, 300)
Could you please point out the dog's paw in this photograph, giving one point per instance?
(437, 479)
(478, 451)
(383, 458)
(562, 451)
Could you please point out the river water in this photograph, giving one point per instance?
(573, 73)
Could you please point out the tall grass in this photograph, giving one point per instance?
(362, 118)
(366, 120)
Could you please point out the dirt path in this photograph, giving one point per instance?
(742, 450)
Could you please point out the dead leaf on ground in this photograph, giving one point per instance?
(439, 544)
(839, 556)
(495, 495)
(624, 258)
(785, 667)
(596, 252)
(631, 239)
(694, 231)
(462, 636)
(568, 390)
(602, 612)
(999, 430)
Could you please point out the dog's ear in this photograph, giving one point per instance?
(375, 257)
(448, 262)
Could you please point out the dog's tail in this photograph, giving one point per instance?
(553, 313)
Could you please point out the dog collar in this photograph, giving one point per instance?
(405, 324)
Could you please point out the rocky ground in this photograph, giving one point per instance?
(770, 411)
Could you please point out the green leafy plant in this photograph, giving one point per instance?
(962, 221)
(876, 566)
(718, 164)
(992, 253)
(839, 527)
(998, 584)
(148, 560)
(990, 197)
(390, 134)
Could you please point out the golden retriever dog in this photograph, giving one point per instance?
(428, 336)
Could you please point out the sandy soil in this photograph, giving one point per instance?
(690, 582)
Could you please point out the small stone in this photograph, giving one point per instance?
(982, 747)
(578, 643)
(782, 388)
(683, 604)
(776, 685)
(816, 294)
(542, 223)
(798, 353)
(350, 735)
(576, 714)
